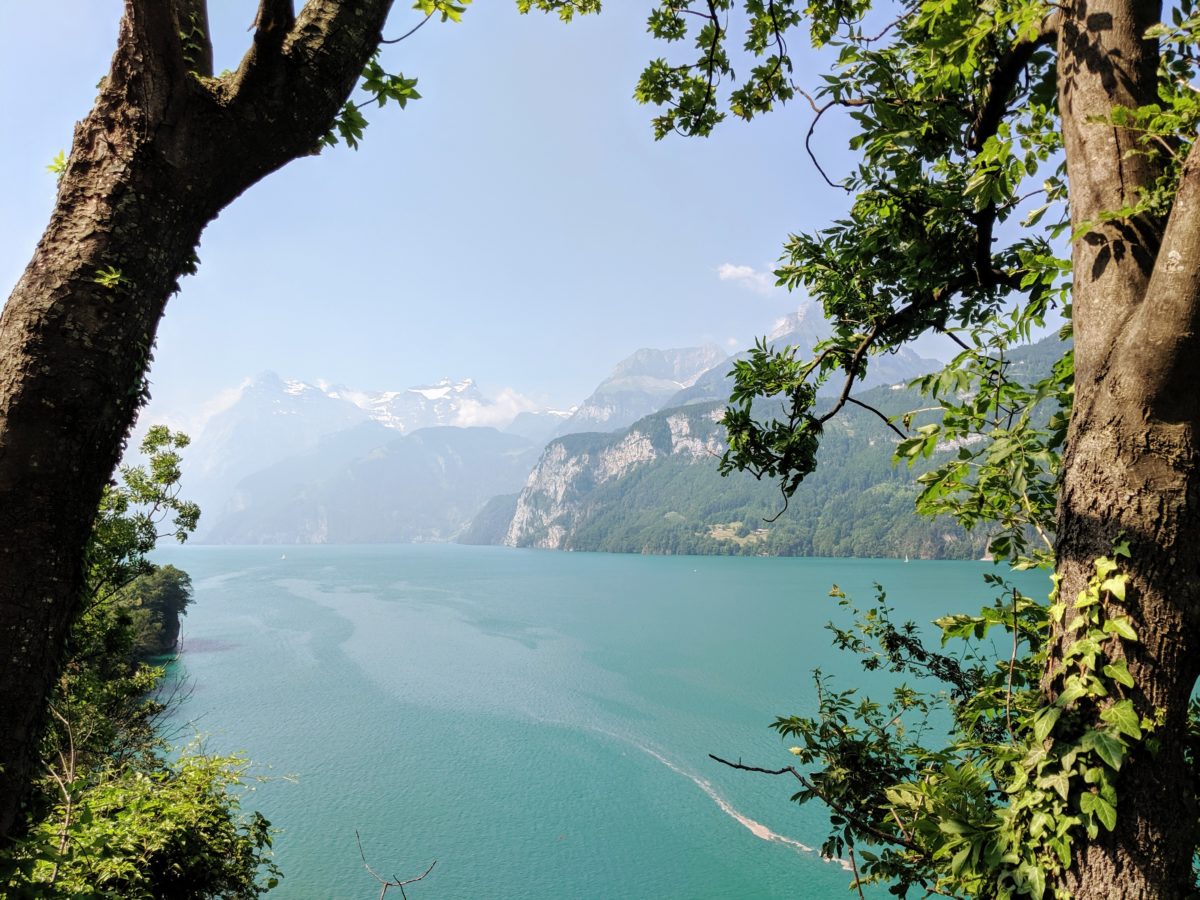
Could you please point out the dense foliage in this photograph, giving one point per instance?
(115, 813)
(1069, 768)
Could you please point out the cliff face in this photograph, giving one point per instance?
(656, 488)
(559, 490)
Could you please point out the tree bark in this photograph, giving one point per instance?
(164, 149)
(1130, 471)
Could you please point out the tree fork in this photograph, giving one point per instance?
(163, 150)
(1131, 468)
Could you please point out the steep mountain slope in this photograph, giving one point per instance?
(654, 488)
(639, 385)
(420, 487)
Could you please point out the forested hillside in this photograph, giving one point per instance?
(641, 491)
(655, 488)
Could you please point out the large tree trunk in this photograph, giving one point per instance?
(165, 148)
(1131, 468)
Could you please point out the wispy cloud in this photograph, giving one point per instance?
(747, 276)
(496, 413)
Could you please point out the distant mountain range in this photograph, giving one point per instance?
(352, 489)
(631, 468)
(655, 488)
(803, 329)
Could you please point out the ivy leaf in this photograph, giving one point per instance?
(1124, 718)
(1119, 625)
(1119, 673)
(1044, 722)
(1108, 748)
(1034, 879)
(1095, 805)
(1115, 586)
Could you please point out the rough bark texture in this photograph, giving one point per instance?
(162, 152)
(1131, 467)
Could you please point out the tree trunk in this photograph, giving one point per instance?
(1131, 471)
(165, 148)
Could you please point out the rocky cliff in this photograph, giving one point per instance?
(561, 487)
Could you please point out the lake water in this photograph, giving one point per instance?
(537, 722)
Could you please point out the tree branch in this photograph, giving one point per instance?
(869, 408)
(191, 24)
(275, 19)
(292, 81)
(851, 375)
(408, 33)
(1004, 79)
(149, 56)
(858, 823)
(394, 881)
(1169, 319)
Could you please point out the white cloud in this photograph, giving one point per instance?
(732, 343)
(494, 413)
(747, 276)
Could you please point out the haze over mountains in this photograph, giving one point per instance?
(284, 461)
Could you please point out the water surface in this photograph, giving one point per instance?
(539, 723)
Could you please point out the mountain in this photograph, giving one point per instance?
(425, 486)
(655, 488)
(803, 329)
(265, 420)
(641, 384)
(423, 406)
(490, 524)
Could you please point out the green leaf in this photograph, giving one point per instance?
(954, 826)
(1044, 722)
(1119, 673)
(1120, 626)
(1095, 805)
(1122, 716)
(1108, 748)
(1115, 586)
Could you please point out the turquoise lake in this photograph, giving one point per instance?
(539, 723)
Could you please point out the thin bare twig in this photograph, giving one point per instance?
(851, 377)
(1012, 664)
(408, 33)
(858, 823)
(854, 868)
(384, 882)
(775, 517)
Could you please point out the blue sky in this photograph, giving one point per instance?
(518, 225)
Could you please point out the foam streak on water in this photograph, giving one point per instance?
(758, 829)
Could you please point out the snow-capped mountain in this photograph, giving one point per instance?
(445, 402)
(268, 419)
